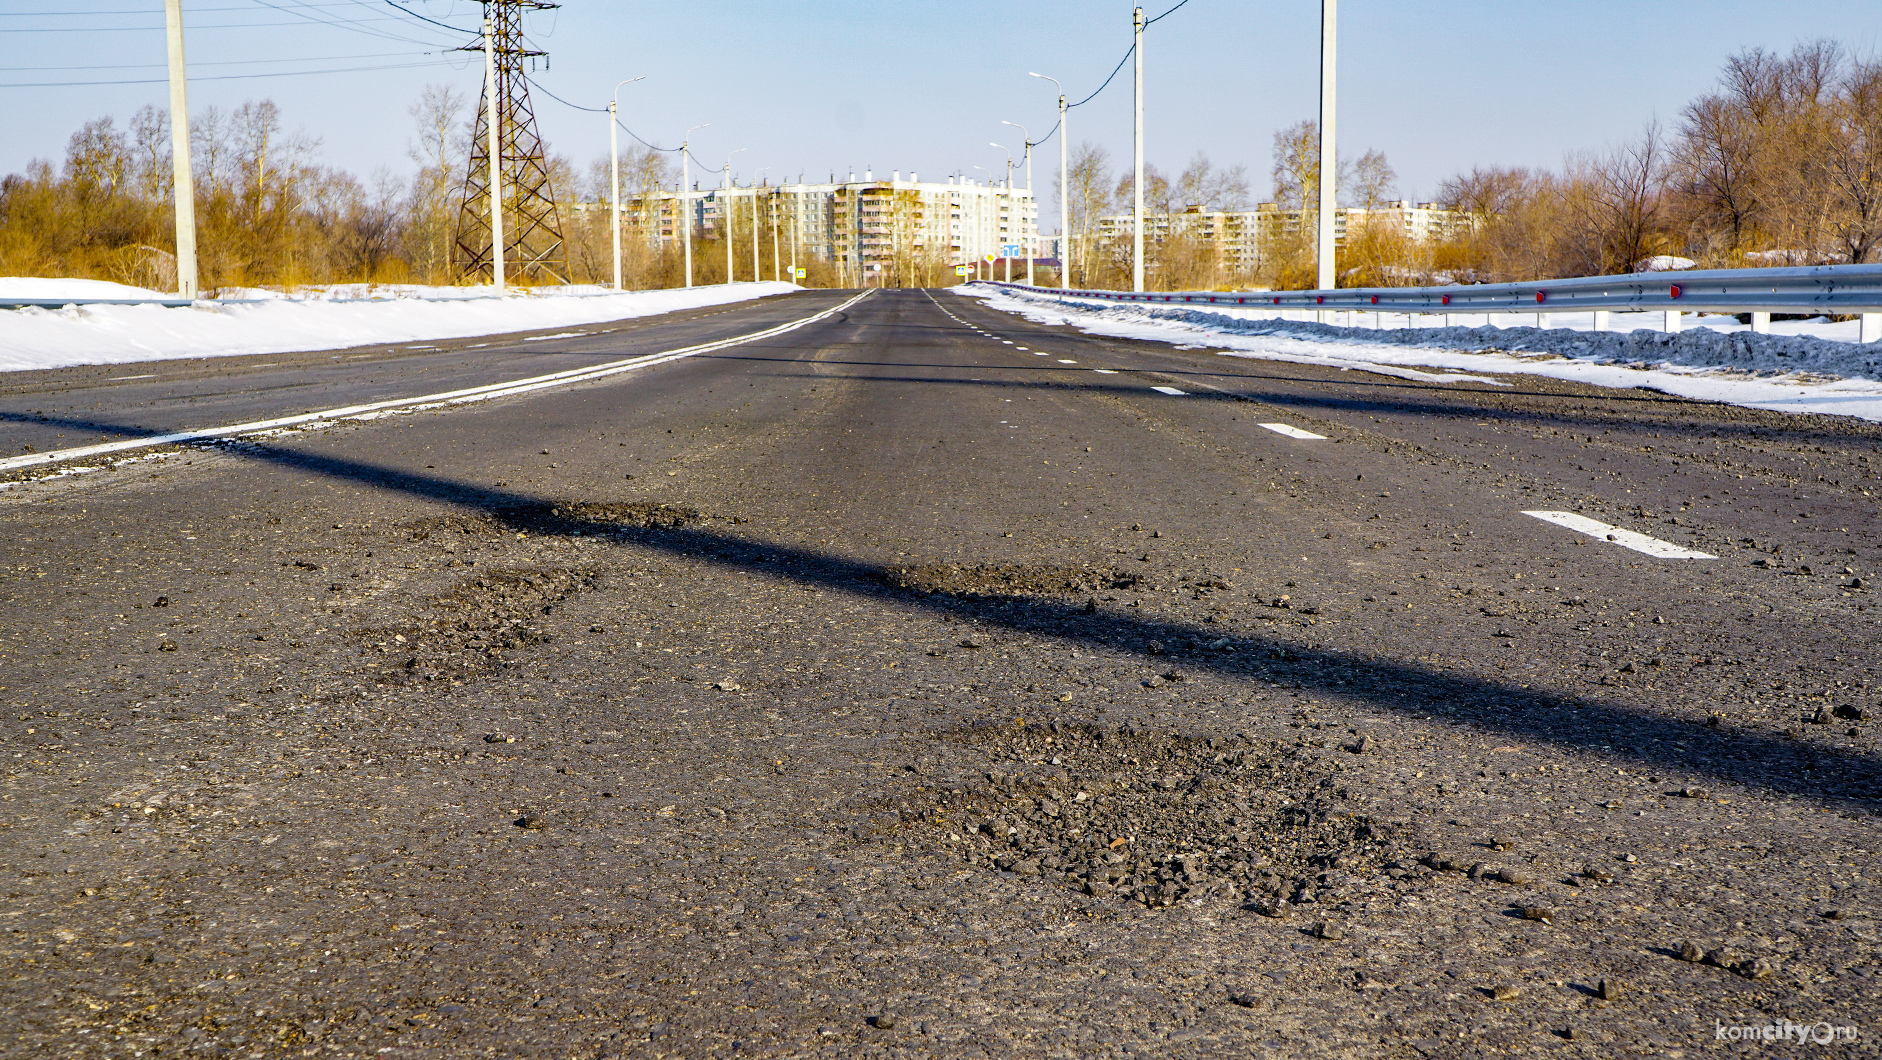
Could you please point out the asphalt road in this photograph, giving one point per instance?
(927, 682)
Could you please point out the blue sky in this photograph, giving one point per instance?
(829, 85)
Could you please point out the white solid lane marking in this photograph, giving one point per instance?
(1601, 531)
(1105, 371)
(1170, 390)
(1293, 432)
(450, 397)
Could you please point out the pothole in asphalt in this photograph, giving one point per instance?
(471, 627)
(565, 517)
(1008, 579)
(1153, 818)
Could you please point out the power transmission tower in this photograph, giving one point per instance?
(532, 234)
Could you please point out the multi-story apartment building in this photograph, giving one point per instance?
(875, 231)
(1240, 238)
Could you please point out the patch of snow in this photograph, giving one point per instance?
(1784, 372)
(325, 318)
(46, 287)
(1664, 263)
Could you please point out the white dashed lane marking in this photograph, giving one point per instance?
(1294, 432)
(1601, 531)
(1064, 361)
(1170, 390)
(1105, 371)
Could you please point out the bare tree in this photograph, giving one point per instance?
(1373, 182)
(1203, 186)
(1617, 199)
(1089, 173)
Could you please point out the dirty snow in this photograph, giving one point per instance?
(251, 320)
(1800, 368)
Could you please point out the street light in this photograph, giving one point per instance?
(1065, 195)
(614, 169)
(1007, 261)
(725, 215)
(996, 221)
(755, 276)
(1029, 198)
(685, 199)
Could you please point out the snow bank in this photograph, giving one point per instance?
(44, 287)
(1789, 373)
(325, 318)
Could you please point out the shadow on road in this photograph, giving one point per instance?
(1613, 729)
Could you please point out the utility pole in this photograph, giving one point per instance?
(493, 121)
(797, 235)
(1329, 151)
(508, 204)
(614, 169)
(185, 191)
(1011, 211)
(777, 260)
(1137, 156)
(1065, 197)
(1026, 138)
(686, 182)
(725, 215)
(755, 274)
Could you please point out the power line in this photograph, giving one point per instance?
(1107, 81)
(1166, 14)
(229, 62)
(1121, 62)
(416, 15)
(226, 77)
(533, 83)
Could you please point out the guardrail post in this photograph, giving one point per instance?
(1542, 321)
(1870, 329)
(1760, 323)
(1600, 320)
(1672, 322)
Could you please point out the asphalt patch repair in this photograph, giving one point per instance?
(1154, 818)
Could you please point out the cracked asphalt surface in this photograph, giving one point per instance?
(922, 682)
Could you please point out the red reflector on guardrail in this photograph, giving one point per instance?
(1541, 297)
(1675, 292)
(1447, 300)
(1320, 300)
(1375, 299)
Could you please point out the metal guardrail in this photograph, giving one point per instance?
(61, 303)
(1843, 289)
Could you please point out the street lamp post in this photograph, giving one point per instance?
(614, 170)
(1065, 196)
(996, 226)
(1137, 155)
(1326, 279)
(755, 275)
(1029, 197)
(1004, 259)
(686, 212)
(725, 214)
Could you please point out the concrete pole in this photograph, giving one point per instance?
(755, 275)
(185, 191)
(1065, 199)
(491, 112)
(1329, 150)
(777, 260)
(1137, 155)
(1032, 205)
(725, 217)
(797, 235)
(685, 219)
(614, 182)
